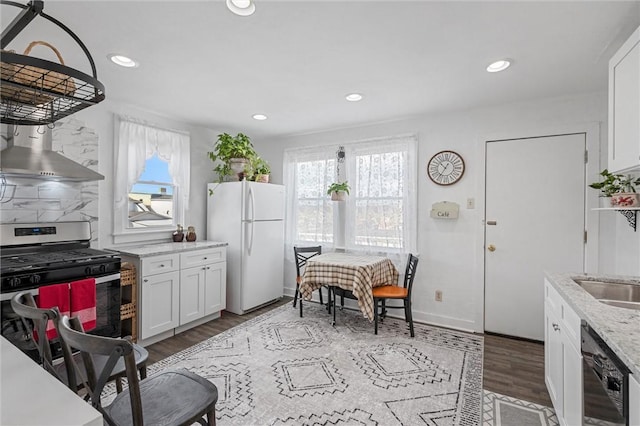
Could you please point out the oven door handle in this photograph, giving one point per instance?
(35, 292)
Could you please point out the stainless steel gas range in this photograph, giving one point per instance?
(33, 255)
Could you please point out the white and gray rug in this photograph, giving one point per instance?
(280, 369)
(502, 410)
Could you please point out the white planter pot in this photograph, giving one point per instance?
(338, 196)
(625, 199)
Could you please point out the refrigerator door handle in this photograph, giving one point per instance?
(250, 240)
(253, 205)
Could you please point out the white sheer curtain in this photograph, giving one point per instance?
(138, 142)
(308, 172)
(381, 212)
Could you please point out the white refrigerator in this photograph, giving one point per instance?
(250, 217)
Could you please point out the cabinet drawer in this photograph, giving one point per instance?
(159, 264)
(202, 257)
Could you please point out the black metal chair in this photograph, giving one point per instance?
(175, 397)
(35, 318)
(302, 255)
(395, 292)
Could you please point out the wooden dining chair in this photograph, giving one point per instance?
(395, 292)
(302, 255)
(36, 319)
(171, 397)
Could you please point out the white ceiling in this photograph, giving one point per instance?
(296, 60)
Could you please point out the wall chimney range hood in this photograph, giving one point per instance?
(29, 154)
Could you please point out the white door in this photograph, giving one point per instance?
(534, 222)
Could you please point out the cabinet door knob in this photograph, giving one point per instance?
(491, 247)
(162, 265)
(556, 327)
(208, 267)
(145, 280)
(204, 269)
(205, 258)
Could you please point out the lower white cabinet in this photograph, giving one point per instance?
(178, 289)
(563, 359)
(634, 401)
(202, 291)
(159, 306)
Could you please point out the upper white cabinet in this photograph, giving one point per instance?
(624, 106)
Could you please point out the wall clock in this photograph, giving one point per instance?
(445, 168)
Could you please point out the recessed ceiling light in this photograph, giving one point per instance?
(241, 7)
(354, 97)
(500, 65)
(123, 61)
(259, 117)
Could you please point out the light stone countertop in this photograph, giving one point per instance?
(618, 327)
(166, 248)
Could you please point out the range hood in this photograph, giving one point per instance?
(29, 154)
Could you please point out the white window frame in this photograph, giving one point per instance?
(136, 142)
(342, 220)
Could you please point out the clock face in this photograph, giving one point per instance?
(445, 168)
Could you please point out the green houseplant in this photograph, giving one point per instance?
(619, 189)
(261, 169)
(338, 191)
(234, 154)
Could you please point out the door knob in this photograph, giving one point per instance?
(491, 247)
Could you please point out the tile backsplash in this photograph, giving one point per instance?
(39, 200)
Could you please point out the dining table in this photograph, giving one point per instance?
(356, 273)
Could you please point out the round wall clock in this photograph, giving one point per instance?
(445, 168)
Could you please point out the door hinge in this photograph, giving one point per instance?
(585, 237)
(586, 156)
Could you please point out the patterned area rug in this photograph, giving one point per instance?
(501, 410)
(280, 369)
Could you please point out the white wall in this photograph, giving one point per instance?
(449, 250)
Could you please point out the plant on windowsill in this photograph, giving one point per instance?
(617, 190)
(234, 154)
(338, 191)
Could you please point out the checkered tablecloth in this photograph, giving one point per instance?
(356, 273)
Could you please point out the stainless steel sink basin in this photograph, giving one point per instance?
(616, 294)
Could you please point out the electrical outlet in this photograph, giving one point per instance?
(471, 203)
(438, 295)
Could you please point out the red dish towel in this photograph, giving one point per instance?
(83, 302)
(50, 296)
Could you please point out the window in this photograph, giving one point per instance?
(152, 173)
(309, 211)
(379, 216)
(151, 197)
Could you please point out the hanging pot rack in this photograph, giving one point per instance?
(38, 101)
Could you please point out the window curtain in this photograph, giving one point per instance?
(308, 172)
(381, 212)
(138, 142)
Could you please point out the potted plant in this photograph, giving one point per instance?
(618, 190)
(261, 169)
(338, 191)
(608, 186)
(626, 196)
(234, 153)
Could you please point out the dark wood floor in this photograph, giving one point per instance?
(511, 367)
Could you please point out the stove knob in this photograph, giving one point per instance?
(14, 282)
(103, 268)
(34, 279)
(88, 270)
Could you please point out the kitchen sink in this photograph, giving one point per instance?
(616, 294)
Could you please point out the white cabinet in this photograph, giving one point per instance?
(201, 284)
(178, 289)
(159, 291)
(624, 106)
(634, 401)
(562, 360)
